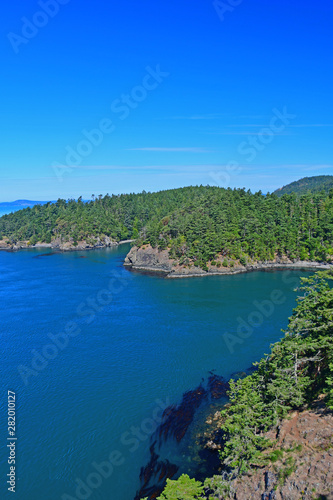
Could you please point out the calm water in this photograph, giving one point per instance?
(154, 340)
(11, 208)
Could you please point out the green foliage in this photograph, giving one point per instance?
(200, 223)
(329, 388)
(298, 369)
(183, 488)
(286, 470)
(242, 260)
(276, 455)
(239, 225)
(314, 184)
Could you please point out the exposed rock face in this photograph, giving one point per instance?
(84, 245)
(147, 258)
(4, 244)
(303, 472)
(58, 244)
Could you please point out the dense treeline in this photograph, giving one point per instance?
(117, 216)
(240, 225)
(197, 224)
(298, 369)
(315, 184)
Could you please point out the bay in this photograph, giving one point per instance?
(138, 343)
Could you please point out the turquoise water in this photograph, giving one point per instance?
(138, 343)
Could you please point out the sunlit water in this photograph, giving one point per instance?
(8, 209)
(137, 343)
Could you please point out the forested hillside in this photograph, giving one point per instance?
(315, 184)
(196, 224)
(298, 371)
(117, 216)
(239, 225)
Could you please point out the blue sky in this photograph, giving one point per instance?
(117, 97)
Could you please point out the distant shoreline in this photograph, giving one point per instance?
(164, 267)
(66, 247)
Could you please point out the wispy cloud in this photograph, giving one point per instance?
(139, 168)
(301, 125)
(208, 116)
(172, 150)
(246, 133)
(259, 117)
(300, 170)
(318, 167)
(312, 125)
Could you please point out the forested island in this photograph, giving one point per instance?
(314, 184)
(191, 230)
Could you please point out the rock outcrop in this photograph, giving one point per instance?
(146, 258)
(304, 468)
(59, 244)
(149, 259)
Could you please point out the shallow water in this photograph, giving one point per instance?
(137, 344)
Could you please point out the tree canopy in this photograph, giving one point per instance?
(292, 376)
(196, 224)
(315, 184)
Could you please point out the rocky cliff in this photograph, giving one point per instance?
(146, 258)
(303, 461)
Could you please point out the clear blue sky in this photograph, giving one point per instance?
(229, 75)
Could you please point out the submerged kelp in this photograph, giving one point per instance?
(176, 420)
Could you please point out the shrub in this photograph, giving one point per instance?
(242, 260)
(184, 488)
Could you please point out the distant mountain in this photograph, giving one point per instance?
(314, 184)
(24, 203)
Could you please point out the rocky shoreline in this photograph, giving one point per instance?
(152, 260)
(61, 246)
(303, 468)
(148, 259)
